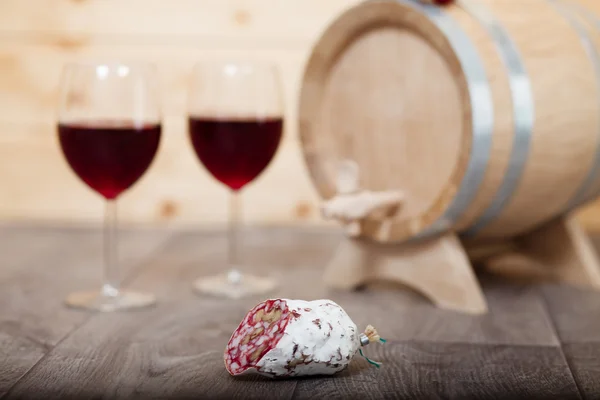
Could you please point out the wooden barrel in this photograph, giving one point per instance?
(485, 114)
(585, 17)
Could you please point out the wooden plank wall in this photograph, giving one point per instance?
(36, 38)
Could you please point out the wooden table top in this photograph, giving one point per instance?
(537, 342)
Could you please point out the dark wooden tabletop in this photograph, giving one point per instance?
(539, 341)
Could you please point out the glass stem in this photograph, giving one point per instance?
(234, 275)
(110, 288)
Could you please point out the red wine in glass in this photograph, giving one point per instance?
(109, 129)
(109, 156)
(235, 122)
(235, 151)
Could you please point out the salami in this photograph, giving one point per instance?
(285, 338)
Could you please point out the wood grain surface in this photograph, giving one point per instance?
(174, 350)
(419, 370)
(584, 361)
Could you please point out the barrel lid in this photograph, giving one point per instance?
(383, 87)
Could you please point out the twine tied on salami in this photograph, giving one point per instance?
(286, 338)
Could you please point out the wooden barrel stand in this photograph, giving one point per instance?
(442, 137)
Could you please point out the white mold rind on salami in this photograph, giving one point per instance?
(282, 338)
(319, 339)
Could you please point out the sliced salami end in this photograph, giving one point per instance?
(260, 331)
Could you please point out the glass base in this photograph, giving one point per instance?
(234, 285)
(98, 301)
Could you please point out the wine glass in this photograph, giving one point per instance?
(235, 124)
(109, 129)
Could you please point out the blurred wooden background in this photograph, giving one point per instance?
(37, 37)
